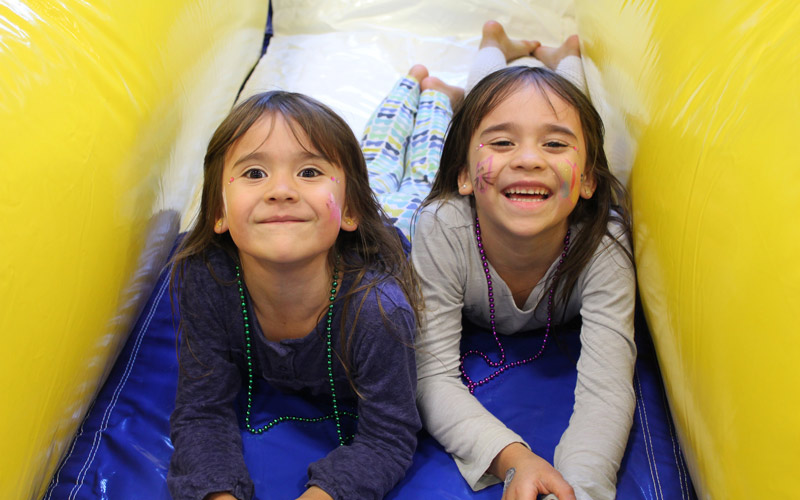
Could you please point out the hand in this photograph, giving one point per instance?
(222, 495)
(533, 475)
(315, 493)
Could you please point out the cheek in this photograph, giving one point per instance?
(484, 175)
(333, 207)
(568, 175)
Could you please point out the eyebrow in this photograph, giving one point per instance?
(261, 157)
(549, 128)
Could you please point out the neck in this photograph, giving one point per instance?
(288, 300)
(522, 261)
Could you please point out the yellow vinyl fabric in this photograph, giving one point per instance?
(105, 112)
(710, 93)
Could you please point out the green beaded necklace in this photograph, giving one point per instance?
(336, 415)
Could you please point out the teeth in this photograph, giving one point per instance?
(530, 191)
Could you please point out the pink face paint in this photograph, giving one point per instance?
(334, 179)
(479, 146)
(575, 148)
(230, 180)
(483, 174)
(334, 208)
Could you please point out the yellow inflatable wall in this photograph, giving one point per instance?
(105, 109)
(710, 92)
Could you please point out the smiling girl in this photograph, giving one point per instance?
(291, 275)
(525, 228)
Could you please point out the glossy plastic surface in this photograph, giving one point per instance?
(710, 92)
(105, 110)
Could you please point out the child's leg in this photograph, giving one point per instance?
(388, 131)
(565, 60)
(401, 207)
(433, 116)
(495, 51)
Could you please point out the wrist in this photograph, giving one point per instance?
(506, 459)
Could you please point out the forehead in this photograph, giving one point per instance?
(530, 105)
(270, 129)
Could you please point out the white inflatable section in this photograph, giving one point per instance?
(348, 54)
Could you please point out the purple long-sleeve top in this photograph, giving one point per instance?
(204, 428)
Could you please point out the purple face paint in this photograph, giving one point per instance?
(483, 174)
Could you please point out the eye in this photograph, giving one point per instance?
(555, 144)
(310, 172)
(501, 143)
(254, 173)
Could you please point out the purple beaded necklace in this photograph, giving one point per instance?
(501, 365)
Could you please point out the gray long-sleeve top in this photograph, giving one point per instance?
(204, 430)
(445, 255)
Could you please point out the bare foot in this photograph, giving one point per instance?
(456, 94)
(494, 35)
(418, 72)
(551, 56)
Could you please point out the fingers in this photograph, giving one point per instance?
(560, 488)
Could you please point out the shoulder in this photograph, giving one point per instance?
(612, 259)
(206, 275)
(452, 213)
(381, 292)
(380, 302)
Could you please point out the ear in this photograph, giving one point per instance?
(221, 225)
(348, 223)
(464, 182)
(588, 186)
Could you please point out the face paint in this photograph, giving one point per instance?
(479, 146)
(334, 208)
(334, 179)
(483, 174)
(230, 180)
(570, 170)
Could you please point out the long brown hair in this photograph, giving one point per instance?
(373, 246)
(609, 202)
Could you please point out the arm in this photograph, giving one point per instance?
(203, 428)
(388, 420)
(452, 415)
(591, 449)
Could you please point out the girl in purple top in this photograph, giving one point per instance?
(292, 274)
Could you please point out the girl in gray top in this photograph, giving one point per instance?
(526, 227)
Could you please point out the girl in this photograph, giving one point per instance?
(291, 274)
(526, 227)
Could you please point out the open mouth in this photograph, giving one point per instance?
(527, 194)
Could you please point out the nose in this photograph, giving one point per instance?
(281, 188)
(529, 157)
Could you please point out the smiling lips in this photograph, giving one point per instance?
(279, 219)
(527, 194)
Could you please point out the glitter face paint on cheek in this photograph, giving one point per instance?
(334, 179)
(334, 208)
(564, 172)
(230, 180)
(483, 174)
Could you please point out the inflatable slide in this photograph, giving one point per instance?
(106, 112)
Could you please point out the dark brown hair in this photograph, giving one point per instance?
(609, 201)
(374, 245)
